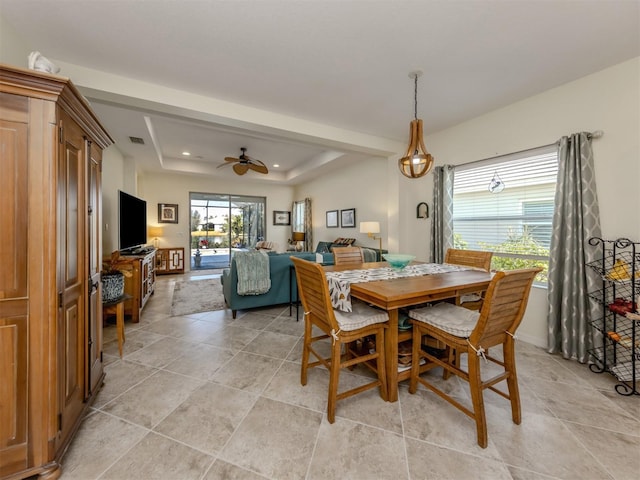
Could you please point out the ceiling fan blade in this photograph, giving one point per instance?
(231, 159)
(241, 168)
(223, 165)
(258, 167)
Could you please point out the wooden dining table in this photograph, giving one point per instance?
(396, 293)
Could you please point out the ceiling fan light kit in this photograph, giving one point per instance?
(417, 162)
(244, 163)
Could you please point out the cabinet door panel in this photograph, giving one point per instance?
(71, 349)
(177, 259)
(13, 289)
(13, 218)
(94, 254)
(71, 255)
(13, 393)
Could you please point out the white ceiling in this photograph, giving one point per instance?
(343, 64)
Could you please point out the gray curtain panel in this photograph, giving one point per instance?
(442, 221)
(308, 226)
(575, 220)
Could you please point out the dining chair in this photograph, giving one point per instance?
(470, 258)
(341, 328)
(473, 333)
(347, 255)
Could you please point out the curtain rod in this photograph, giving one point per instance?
(590, 135)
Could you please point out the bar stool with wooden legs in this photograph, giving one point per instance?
(473, 333)
(469, 258)
(342, 329)
(347, 255)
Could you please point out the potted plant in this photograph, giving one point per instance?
(113, 277)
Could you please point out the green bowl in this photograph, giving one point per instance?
(398, 260)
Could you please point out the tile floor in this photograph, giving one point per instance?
(207, 397)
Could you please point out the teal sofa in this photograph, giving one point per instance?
(283, 282)
(370, 254)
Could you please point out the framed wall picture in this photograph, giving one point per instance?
(332, 219)
(167, 213)
(281, 218)
(348, 218)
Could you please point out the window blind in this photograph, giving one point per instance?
(516, 221)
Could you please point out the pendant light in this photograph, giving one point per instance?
(417, 162)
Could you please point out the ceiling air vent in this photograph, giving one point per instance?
(137, 140)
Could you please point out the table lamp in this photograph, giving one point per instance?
(370, 228)
(155, 232)
(298, 237)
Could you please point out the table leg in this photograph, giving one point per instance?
(120, 325)
(292, 275)
(391, 354)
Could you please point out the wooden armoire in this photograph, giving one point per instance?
(50, 259)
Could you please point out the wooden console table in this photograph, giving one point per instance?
(140, 286)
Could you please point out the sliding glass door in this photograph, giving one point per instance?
(221, 223)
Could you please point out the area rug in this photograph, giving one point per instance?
(195, 296)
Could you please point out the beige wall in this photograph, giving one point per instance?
(112, 181)
(14, 50)
(608, 100)
(362, 185)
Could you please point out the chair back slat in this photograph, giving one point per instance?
(503, 307)
(314, 293)
(347, 255)
(469, 258)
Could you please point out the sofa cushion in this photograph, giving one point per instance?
(370, 255)
(323, 247)
(326, 248)
(264, 245)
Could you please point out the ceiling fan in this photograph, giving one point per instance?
(244, 163)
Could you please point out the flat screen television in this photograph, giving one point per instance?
(132, 223)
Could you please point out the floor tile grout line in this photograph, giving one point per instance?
(157, 370)
(315, 446)
(130, 448)
(237, 428)
(404, 436)
(577, 439)
(608, 430)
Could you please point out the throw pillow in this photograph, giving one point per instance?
(323, 247)
(344, 241)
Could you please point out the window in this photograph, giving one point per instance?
(514, 223)
(221, 222)
(298, 217)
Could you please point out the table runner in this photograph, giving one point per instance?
(340, 282)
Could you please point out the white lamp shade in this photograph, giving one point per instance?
(369, 227)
